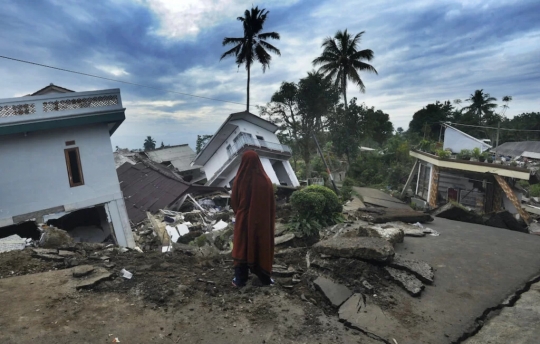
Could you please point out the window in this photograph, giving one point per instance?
(260, 138)
(229, 150)
(73, 162)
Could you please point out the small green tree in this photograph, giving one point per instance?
(202, 140)
(315, 206)
(149, 143)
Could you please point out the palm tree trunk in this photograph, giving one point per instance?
(343, 86)
(249, 75)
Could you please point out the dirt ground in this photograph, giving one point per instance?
(171, 298)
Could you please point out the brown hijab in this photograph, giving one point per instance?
(254, 206)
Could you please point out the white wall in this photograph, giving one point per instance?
(291, 173)
(220, 157)
(34, 174)
(456, 141)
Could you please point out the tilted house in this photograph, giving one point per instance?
(484, 186)
(243, 131)
(55, 158)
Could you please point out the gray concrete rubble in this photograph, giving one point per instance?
(391, 234)
(83, 270)
(408, 229)
(361, 248)
(361, 313)
(284, 238)
(457, 212)
(95, 277)
(334, 292)
(384, 215)
(53, 237)
(407, 280)
(422, 270)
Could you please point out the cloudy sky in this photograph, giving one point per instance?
(424, 51)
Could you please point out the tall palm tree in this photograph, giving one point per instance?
(341, 60)
(252, 47)
(482, 104)
(149, 143)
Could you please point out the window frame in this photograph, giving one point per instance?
(68, 165)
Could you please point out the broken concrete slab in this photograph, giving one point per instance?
(361, 248)
(391, 234)
(279, 229)
(384, 215)
(53, 238)
(12, 243)
(82, 270)
(284, 238)
(422, 270)
(379, 198)
(45, 250)
(334, 292)
(97, 276)
(504, 219)
(65, 253)
(361, 313)
(46, 256)
(457, 212)
(407, 280)
(408, 230)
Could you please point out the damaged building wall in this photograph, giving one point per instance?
(34, 171)
(35, 180)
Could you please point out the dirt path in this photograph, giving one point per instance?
(46, 308)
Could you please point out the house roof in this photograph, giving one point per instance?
(517, 148)
(226, 129)
(467, 135)
(51, 88)
(180, 156)
(473, 166)
(60, 110)
(147, 187)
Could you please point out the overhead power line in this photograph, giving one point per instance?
(120, 81)
(486, 127)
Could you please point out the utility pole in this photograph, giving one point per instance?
(497, 141)
(325, 164)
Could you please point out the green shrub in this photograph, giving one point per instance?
(476, 152)
(315, 206)
(307, 204)
(443, 154)
(534, 190)
(465, 154)
(331, 200)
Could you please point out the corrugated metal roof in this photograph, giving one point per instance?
(532, 155)
(517, 148)
(148, 188)
(180, 156)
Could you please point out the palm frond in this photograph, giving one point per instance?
(234, 51)
(267, 35)
(366, 54)
(270, 47)
(355, 77)
(263, 57)
(359, 65)
(232, 40)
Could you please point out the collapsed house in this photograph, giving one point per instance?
(482, 186)
(55, 160)
(151, 187)
(243, 131)
(179, 159)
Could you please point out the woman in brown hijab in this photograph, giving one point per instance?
(254, 207)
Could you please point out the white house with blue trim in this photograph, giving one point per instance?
(56, 158)
(243, 131)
